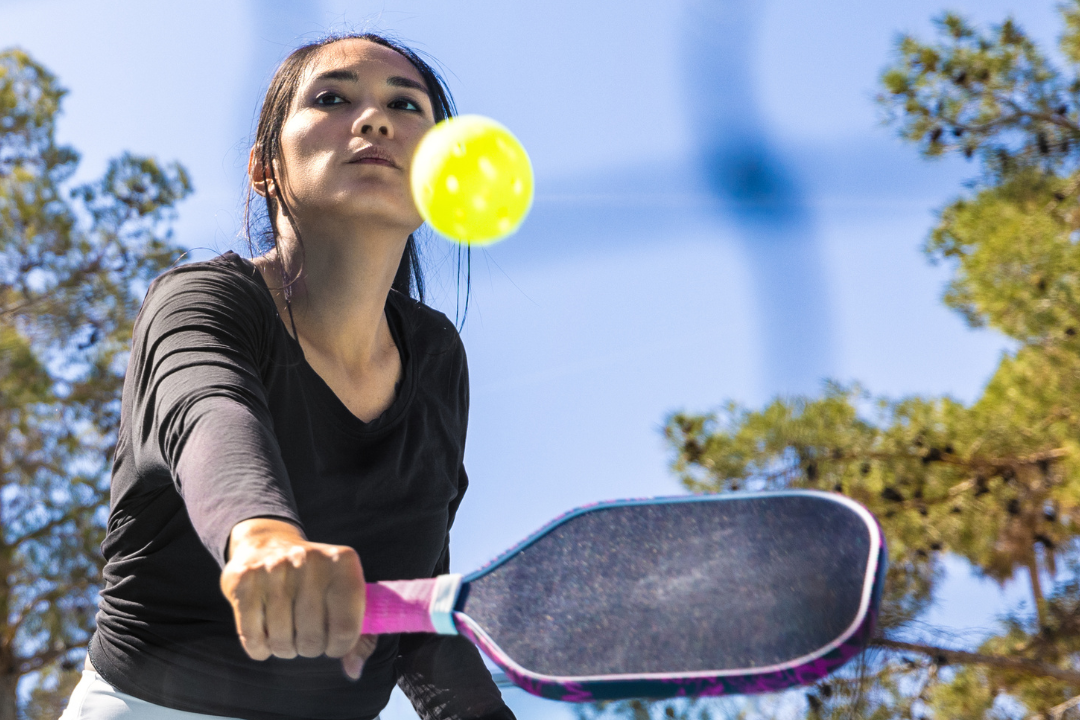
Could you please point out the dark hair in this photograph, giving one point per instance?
(409, 279)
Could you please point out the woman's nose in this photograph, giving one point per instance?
(372, 121)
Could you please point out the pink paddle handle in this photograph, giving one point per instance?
(407, 606)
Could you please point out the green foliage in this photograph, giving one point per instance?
(1028, 290)
(677, 709)
(970, 694)
(995, 482)
(991, 95)
(74, 265)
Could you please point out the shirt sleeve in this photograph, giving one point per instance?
(199, 404)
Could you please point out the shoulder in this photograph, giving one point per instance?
(225, 273)
(429, 330)
(434, 348)
(227, 281)
(224, 297)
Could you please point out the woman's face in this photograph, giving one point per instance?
(348, 141)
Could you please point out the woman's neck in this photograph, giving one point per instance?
(336, 287)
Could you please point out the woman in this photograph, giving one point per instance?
(292, 428)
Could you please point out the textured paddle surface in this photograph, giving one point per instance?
(678, 587)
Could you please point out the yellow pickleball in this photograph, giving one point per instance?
(472, 180)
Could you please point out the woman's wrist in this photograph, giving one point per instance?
(254, 533)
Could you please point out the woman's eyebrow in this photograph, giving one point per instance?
(392, 81)
(338, 75)
(398, 81)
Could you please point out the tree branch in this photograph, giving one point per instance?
(1054, 119)
(36, 662)
(56, 591)
(1058, 711)
(48, 527)
(974, 463)
(960, 657)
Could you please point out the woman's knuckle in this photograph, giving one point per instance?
(297, 556)
(342, 627)
(342, 555)
(283, 648)
(258, 653)
(310, 646)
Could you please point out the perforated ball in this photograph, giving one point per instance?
(472, 180)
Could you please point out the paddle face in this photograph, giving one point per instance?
(701, 595)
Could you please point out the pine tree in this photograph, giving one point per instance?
(995, 482)
(74, 265)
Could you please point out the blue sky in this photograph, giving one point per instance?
(631, 291)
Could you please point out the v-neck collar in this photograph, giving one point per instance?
(323, 393)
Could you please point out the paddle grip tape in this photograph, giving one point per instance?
(404, 606)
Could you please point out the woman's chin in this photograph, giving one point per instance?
(371, 210)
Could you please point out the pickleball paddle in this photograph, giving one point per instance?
(697, 595)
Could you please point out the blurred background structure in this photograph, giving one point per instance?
(762, 197)
(719, 213)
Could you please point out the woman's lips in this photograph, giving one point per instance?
(373, 161)
(371, 155)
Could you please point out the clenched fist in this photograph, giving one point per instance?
(293, 597)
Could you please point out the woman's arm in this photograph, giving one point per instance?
(198, 406)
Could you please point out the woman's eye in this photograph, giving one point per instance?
(328, 98)
(405, 104)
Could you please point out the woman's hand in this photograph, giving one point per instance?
(293, 597)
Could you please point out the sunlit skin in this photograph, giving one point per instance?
(347, 144)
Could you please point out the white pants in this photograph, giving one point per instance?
(95, 699)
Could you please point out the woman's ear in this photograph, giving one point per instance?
(257, 172)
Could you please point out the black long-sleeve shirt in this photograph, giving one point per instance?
(223, 420)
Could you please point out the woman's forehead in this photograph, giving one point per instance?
(364, 57)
